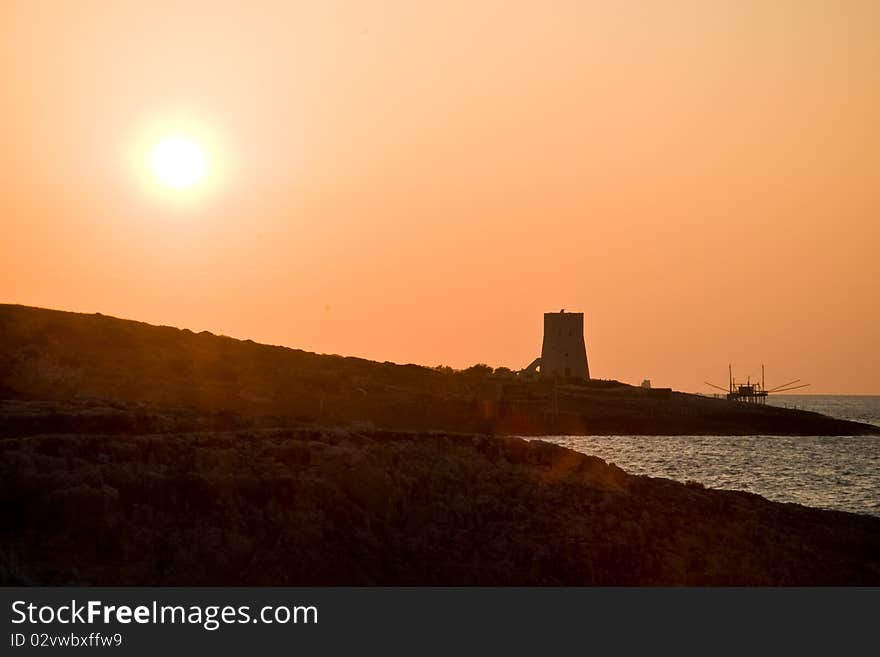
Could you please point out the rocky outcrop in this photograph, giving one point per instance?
(365, 507)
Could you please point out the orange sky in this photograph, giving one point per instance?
(419, 182)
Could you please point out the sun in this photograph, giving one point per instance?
(179, 162)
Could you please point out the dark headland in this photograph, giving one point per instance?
(135, 454)
(62, 356)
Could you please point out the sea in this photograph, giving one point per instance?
(828, 472)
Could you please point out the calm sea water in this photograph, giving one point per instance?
(861, 408)
(830, 472)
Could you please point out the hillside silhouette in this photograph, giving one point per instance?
(63, 356)
(140, 455)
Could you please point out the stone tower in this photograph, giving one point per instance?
(564, 353)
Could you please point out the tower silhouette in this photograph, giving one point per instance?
(564, 353)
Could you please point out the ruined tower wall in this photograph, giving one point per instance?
(564, 353)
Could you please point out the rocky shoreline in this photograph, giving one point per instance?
(361, 507)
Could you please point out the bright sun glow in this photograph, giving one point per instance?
(179, 162)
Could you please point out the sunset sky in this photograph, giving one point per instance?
(420, 182)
